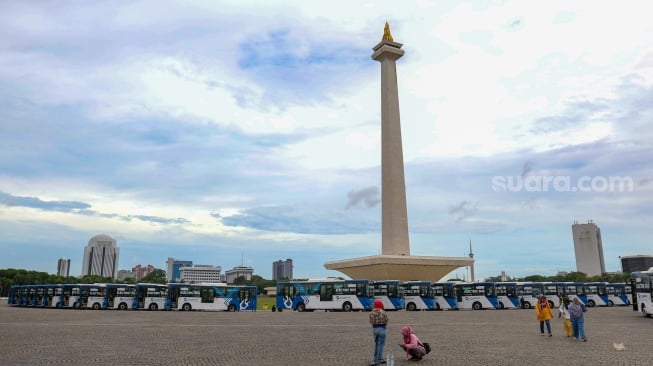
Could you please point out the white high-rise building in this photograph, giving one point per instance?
(63, 267)
(589, 248)
(101, 257)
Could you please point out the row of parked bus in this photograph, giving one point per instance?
(347, 295)
(149, 296)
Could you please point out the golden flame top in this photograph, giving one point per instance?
(386, 33)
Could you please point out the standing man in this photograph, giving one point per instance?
(379, 321)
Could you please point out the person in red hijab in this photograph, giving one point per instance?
(379, 321)
(412, 345)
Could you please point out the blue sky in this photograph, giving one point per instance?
(244, 132)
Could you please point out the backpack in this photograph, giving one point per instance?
(427, 347)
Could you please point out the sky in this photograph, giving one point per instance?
(245, 132)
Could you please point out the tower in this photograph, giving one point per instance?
(394, 216)
(101, 257)
(395, 261)
(63, 267)
(588, 248)
(471, 256)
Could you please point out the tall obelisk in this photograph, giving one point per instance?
(394, 216)
(395, 261)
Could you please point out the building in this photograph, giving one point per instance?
(142, 271)
(200, 273)
(634, 263)
(282, 269)
(63, 267)
(238, 271)
(124, 274)
(101, 257)
(589, 248)
(173, 267)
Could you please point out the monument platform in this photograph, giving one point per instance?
(399, 267)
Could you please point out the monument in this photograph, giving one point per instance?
(395, 261)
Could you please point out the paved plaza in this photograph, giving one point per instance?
(31, 336)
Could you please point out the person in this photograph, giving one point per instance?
(379, 321)
(576, 310)
(412, 345)
(564, 312)
(544, 315)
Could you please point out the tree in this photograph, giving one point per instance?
(156, 276)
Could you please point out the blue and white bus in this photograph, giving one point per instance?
(418, 295)
(15, 295)
(476, 295)
(507, 295)
(572, 290)
(150, 296)
(389, 292)
(618, 294)
(643, 291)
(528, 293)
(444, 294)
(328, 294)
(553, 292)
(211, 297)
(119, 296)
(90, 296)
(595, 293)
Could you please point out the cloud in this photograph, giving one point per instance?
(463, 210)
(369, 196)
(34, 202)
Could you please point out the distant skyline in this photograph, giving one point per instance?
(242, 133)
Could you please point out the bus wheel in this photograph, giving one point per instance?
(153, 307)
(527, 304)
(96, 306)
(501, 306)
(411, 306)
(610, 303)
(232, 308)
(346, 306)
(186, 307)
(551, 304)
(591, 303)
(301, 306)
(477, 306)
(122, 306)
(644, 312)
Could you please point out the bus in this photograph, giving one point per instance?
(328, 294)
(65, 296)
(150, 296)
(15, 295)
(643, 291)
(390, 294)
(418, 295)
(476, 295)
(553, 293)
(444, 294)
(88, 296)
(118, 296)
(507, 295)
(528, 293)
(211, 297)
(595, 293)
(572, 290)
(618, 294)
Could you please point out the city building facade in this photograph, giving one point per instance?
(634, 263)
(282, 269)
(63, 267)
(588, 247)
(101, 257)
(200, 273)
(238, 271)
(173, 267)
(142, 271)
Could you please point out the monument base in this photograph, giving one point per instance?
(399, 267)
